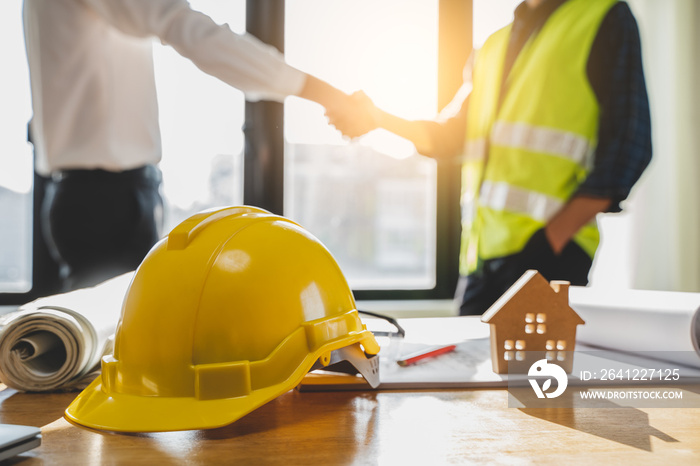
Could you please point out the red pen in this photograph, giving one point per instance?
(427, 353)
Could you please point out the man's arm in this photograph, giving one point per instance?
(422, 133)
(624, 135)
(616, 74)
(355, 115)
(240, 60)
(575, 214)
(441, 138)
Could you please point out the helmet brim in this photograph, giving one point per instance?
(121, 412)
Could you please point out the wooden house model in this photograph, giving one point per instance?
(532, 321)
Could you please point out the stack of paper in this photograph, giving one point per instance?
(56, 342)
(634, 328)
(664, 322)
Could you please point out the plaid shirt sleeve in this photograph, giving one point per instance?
(624, 134)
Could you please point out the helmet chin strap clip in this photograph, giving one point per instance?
(352, 360)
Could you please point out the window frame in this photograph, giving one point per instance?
(264, 146)
(45, 270)
(264, 156)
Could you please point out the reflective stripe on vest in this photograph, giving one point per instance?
(546, 140)
(563, 144)
(502, 196)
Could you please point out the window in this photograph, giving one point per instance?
(201, 124)
(201, 121)
(371, 201)
(16, 164)
(390, 216)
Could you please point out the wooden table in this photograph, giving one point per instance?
(386, 428)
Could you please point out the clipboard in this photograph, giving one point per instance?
(469, 365)
(16, 439)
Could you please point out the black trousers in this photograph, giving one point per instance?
(101, 224)
(477, 292)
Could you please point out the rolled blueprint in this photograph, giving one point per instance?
(665, 322)
(56, 342)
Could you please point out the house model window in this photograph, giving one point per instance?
(531, 321)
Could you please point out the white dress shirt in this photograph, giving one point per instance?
(92, 80)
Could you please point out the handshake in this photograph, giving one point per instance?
(353, 115)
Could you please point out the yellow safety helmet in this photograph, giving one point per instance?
(226, 313)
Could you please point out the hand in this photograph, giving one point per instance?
(556, 240)
(353, 115)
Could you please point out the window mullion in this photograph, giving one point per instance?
(263, 184)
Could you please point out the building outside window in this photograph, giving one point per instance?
(16, 164)
(371, 201)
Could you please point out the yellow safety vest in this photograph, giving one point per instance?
(524, 160)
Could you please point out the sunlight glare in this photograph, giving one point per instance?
(388, 143)
(388, 49)
(16, 160)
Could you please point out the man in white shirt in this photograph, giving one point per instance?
(95, 125)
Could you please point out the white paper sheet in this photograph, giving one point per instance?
(469, 365)
(55, 342)
(632, 321)
(640, 321)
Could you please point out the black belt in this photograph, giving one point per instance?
(146, 172)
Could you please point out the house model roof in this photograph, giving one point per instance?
(532, 290)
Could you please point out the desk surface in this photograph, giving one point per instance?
(425, 427)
